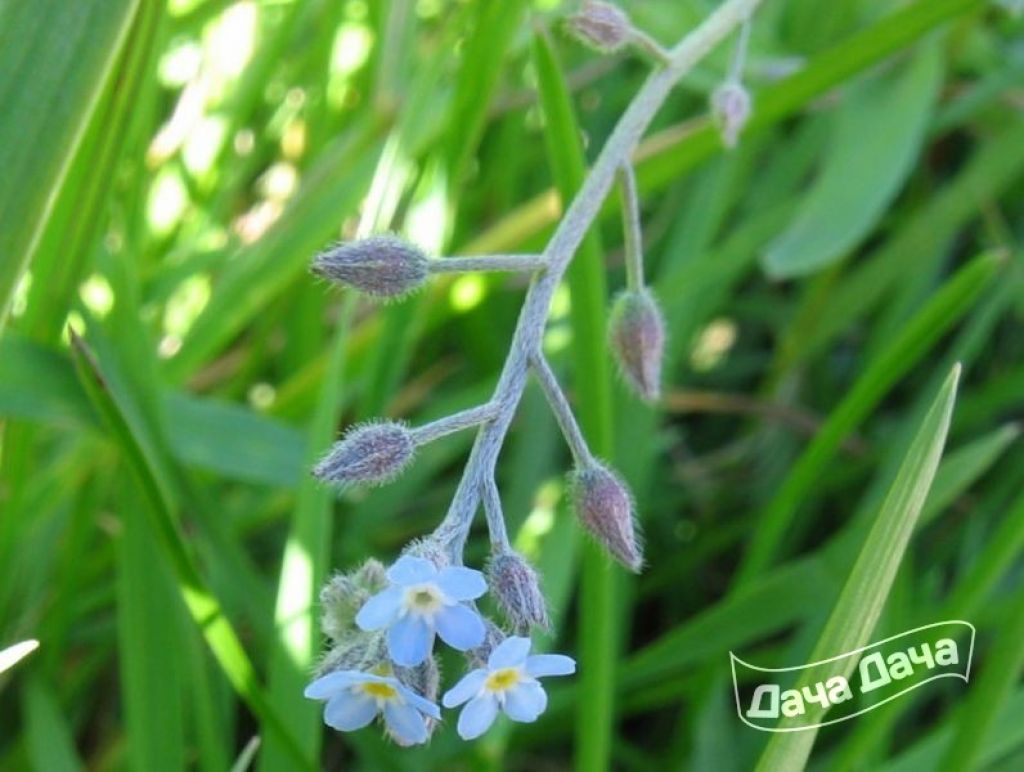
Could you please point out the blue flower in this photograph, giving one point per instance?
(354, 698)
(509, 682)
(422, 601)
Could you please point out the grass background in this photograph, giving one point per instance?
(169, 170)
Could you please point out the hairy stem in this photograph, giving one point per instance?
(563, 412)
(521, 263)
(631, 228)
(560, 250)
(495, 517)
(442, 427)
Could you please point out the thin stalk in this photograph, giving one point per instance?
(739, 54)
(631, 228)
(495, 518)
(442, 427)
(513, 263)
(563, 412)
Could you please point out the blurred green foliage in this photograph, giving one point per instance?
(170, 169)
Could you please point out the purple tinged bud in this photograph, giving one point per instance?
(601, 26)
(637, 335)
(477, 658)
(369, 454)
(380, 266)
(730, 109)
(514, 584)
(605, 507)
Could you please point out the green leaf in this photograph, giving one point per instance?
(880, 128)
(860, 603)
(54, 60)
(204, 607)
(49, 739)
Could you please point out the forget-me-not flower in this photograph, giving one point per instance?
(422, 601)
(509, 682)
(354, 698)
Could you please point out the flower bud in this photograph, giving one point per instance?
(477, 658)
(363, 651)
(515, 587)
(380, 266)
(343, 596)
(601, 26)
(637, 335)
(730, 109)
(430, 549)
(371, 454)
(605, 507)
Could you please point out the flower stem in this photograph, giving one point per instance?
(631, 228)
(442, 427)
(519, 263)
(495, 518)
(563, 412)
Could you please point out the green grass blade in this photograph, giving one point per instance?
(860, 603)
(586, 278)
(54, 61)
(303, 571)
(50, 743)
(204, 607)
(879, 132)
(919, 335)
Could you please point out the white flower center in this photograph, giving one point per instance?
(423, 599)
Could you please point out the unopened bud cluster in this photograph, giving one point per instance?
(602, 26)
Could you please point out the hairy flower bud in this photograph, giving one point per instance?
(371, 453)
(362, 651)
(730, 109)
(343, 596)
(605, 507)
(637, 335)
(477, 658)
(429, 549)
(602, 26)
(515, 587)
(380, 266)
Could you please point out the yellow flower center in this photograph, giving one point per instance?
(503, 679)
(380, 691)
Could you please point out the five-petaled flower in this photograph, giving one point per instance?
(509, 682)
(422, 601)
(354, 698)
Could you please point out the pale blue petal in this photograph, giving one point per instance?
(460, 627)
(411, 570)
(477, 717)
(525, 702)
(421, 703)
(405, 723)
(540, 665)
(380, 610)
(461, 583)
(509, 653)
(349, 710)
(410, 640)
(327, 686)
(465, 689)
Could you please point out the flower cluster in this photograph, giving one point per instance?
(382, 662)
(383, 623)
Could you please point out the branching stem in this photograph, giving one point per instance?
(474, 416)
(560, 250)
(517, 263)
(563, 412)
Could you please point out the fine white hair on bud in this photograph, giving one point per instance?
(369, 454)
(380, 266)
(431, 549)
(424, 679)
(344, 594)
(477, 658)
(514, 584)
(601, 26)
(605, 508)
(730, 108)
(636, 332)
(359, 651)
